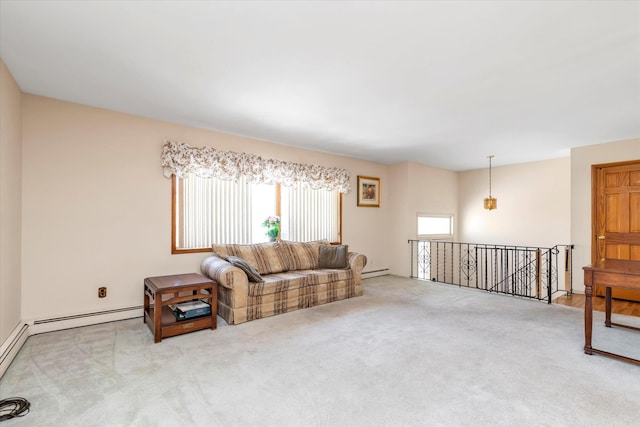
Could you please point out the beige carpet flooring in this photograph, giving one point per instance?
(407, 353)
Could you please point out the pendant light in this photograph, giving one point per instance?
(490, 203)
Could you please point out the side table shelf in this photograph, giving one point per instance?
(179, 288)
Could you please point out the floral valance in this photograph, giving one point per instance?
(206, 162)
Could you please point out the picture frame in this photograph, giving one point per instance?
(368, 191)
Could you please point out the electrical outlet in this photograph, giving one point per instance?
(102, 292)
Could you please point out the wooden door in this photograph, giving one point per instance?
(616, 216)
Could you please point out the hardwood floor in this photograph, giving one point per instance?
(618, 306)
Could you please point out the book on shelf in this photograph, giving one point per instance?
(190, 309)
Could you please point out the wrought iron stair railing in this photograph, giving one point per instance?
(528, 272)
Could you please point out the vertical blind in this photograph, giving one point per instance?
(211, 210)
(309, 214)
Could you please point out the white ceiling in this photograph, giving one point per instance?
(440, 83)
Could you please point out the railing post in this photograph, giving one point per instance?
(549, 290)
(538, 274)
(411, 259)
(568, 285)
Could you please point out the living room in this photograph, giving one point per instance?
(85, 204)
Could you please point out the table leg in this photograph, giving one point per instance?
(213, 291)
(157, 314)
(607, 305)
(588, 317)
(146, 305)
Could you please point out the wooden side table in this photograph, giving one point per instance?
(159, 316)
(612, 274)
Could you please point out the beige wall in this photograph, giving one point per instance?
(10, 201)
(416, 188)
(397, 224)
(581, 160)
(432, 191)
(96, 206)
(533, 204)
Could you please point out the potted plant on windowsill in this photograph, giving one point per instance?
(272, 224)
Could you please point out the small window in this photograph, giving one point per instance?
(435, 226)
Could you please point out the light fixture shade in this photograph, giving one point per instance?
(490, 203)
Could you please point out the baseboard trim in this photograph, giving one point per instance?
(85, 319)
(12, 345)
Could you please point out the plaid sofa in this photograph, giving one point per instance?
(291, 278)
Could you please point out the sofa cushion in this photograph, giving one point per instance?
(317, 277)
(243, 265)
(278, 283)
(333, 256)
(266, 258)
(303, 255)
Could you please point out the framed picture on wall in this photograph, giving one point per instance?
(368, 191)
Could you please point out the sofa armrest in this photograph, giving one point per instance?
(228, 276)
(357, 262)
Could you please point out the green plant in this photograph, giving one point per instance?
(272, 224)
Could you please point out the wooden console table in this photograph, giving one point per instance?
(159, 317)
(609, 273)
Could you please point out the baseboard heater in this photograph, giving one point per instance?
(375, 273)
(10, 348)
(85, 319)
(80, 316)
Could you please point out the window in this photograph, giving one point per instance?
(210, 210)
(435, 226)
